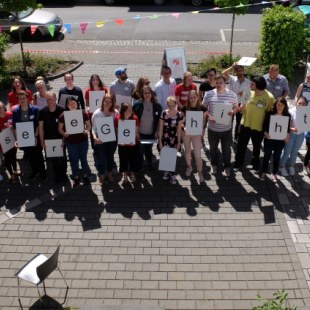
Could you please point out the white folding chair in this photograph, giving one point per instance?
(37, 270)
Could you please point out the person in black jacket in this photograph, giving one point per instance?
(272, 146)
(148, 111)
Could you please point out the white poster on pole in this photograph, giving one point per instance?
(7, 139)
(105, 129)
(194, 123)
(303, 119)
(74, 122)
(54, 148)
(95, 99)
(25, 134)
(221, 111)
(168, 159)
(126, 132)
(246, 61)
(278, 126)
(63, 99)
(175, 58)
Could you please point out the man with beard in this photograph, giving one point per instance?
(122, 88)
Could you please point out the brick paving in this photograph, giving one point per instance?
(184, 246)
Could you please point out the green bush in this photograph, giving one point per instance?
(221, 62)
(283, 38)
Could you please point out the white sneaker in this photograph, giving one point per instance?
(1, 177)
(227, 172)
(173, 180)
(214, 169)
(283, 171)
(166, 175)
(306, 170)
(291, 170)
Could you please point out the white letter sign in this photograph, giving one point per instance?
(54, 148)
(278, 127)
(105, 128)
(127, 132)
(303, 119)
(168, 159)
(221, 113)
(194, 123)
(95, 99)
(7, 139)
(25, 134)
(74, 121)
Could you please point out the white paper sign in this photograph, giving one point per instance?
(54, 148)
(194, 122)
(63, 98)
(119, 99)
(105, 128)
(149, 141)
(303, 119)
(246, 61)
(25, 134)
(7, 139)
(168, 159)
(278, 127)
(74, 122)
(127, 132)
(221, 113)
(95, 99)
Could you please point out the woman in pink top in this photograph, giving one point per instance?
(182, 90)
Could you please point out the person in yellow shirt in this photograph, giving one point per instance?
(254, 113)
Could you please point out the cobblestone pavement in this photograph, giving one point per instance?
(184, 246)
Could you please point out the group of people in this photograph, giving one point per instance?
(159, 114)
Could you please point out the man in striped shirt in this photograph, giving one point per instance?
(221, 104)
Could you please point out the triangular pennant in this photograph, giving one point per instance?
(51, 29)
(33, 29)
(154, 16)
(176, 15)
(137, 17)
(83, 27)
(1, 29)
(215, 8)
(119, 21)
(12, 28)
(195, 12)
(240, 5)
(100, 24)
(68, 27)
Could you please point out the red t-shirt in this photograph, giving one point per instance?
(182, 92)
(135, 118)
(13, 98)
(6, 122)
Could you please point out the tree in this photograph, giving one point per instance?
(235, 7)
(283, 38)
(16, 6)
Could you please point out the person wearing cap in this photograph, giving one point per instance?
(122, 87)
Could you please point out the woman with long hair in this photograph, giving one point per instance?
(142, 81)
(182, 90)
(39, 98)
(18, 85)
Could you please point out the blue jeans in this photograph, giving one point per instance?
(215, 138)
(291, 149)
(105, 156)
(78, 152)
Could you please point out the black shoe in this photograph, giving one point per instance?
(236, 169)
(33, 176)
(43, 176)
(76, 182)
(152, 167)
(86, 180)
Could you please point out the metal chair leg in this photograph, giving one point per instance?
(20, 303)
(67, 289)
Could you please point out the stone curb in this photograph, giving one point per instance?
(56, 76)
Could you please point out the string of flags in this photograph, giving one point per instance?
(121, 21)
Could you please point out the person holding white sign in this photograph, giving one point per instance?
(105, 149)
(39, 98)
(272, 146)
(182, 90)
(304, 89)
(28, 113)
(222, 104)
(10, 155)
(48, 130)
(170, 125)
(129, 154)
(292, 147)
(193, 104)
(77, 144)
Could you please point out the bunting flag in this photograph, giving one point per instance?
(195, 12)
(51, 30)
(137, 17)
(176, 15)
(100, 24)
(1, 29)
(34, 29)
(13, 28)
(119, 21)
(240, 5)
(68, 27)
(154, 16)
(83, 27)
